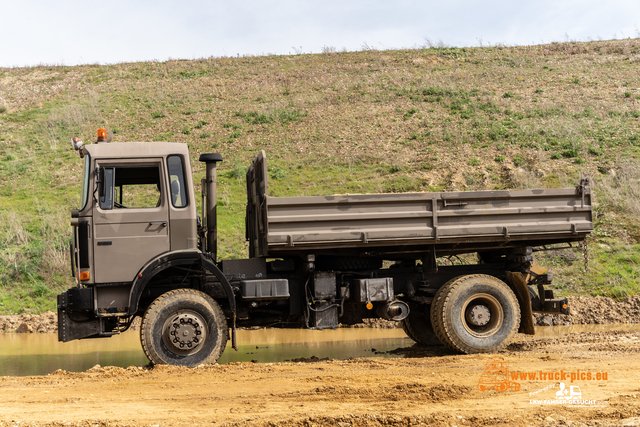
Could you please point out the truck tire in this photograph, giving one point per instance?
(338, 263)
(183, 327)
(418, 327)
(475, 314)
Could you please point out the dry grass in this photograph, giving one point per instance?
(13, 229)
(73, 118)
(622, 187)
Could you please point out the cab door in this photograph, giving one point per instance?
(131, 219)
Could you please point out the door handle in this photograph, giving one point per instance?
(162, 223)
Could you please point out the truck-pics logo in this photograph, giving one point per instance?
(496, 377)
(571, 392)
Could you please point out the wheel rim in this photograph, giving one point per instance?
(184, 332)
(482, 315)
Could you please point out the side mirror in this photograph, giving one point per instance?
(76, 143)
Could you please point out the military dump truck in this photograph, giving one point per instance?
(141, 249)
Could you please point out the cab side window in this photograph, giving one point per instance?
(130, 187)
(176, 181)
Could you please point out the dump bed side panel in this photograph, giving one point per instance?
(410, 219)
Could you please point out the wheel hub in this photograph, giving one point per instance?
(185, 332)
(482, 315)
(479, 315)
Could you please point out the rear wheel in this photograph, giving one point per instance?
(475, 314)
(418, 327)
(183, 327)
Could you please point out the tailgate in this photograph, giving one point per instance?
(256, 226)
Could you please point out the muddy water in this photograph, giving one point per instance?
(41, 354)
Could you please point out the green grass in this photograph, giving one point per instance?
(360, 122)
(613, 269)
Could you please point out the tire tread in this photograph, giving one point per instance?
(164, 300)
(442, 326)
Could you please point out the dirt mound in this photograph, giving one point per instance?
(37, 323)
(375, 393)
(377, 324)
(612, 342)
(311, 359)
(362, 420)
(594, 311)
(88, 423)
(26, 323)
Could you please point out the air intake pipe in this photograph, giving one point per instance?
(209, 187)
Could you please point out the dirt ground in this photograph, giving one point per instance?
(428, 386)
(423, 386)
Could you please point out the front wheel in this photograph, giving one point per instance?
(183, 327)
(475, 314)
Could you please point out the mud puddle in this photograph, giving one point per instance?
(41, 354)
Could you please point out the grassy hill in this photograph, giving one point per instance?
(372, 121)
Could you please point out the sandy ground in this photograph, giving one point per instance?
(429, 386)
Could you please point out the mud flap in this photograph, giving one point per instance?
(76, 299)
(517, 282)
(69, 330)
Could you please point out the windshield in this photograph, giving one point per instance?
(85, 182)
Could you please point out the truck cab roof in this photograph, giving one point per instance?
(127, 150)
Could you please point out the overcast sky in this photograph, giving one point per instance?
(71, 32)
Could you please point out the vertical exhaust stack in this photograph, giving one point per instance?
(211, 160)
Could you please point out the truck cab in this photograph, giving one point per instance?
(137, 191)
(134, 237)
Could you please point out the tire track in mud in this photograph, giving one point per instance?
(611, 341)
(591, 342)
